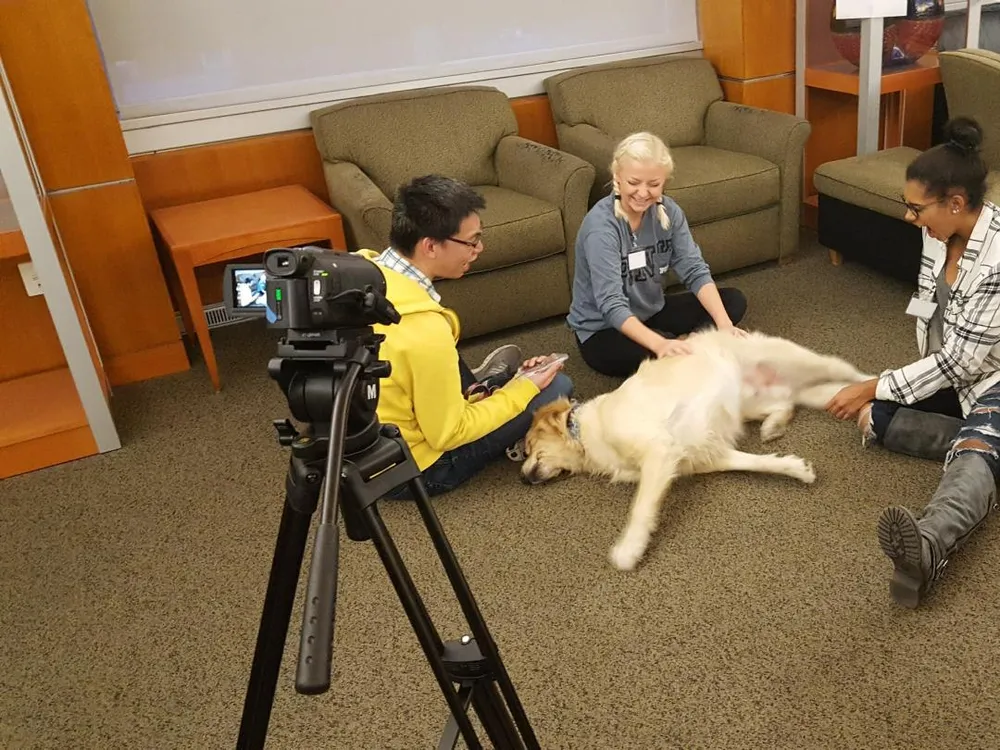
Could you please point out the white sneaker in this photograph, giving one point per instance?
(502, 360)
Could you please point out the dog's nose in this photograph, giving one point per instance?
(531, 477)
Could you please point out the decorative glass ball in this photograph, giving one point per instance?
(904, 39)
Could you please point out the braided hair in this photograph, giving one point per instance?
(641, 147)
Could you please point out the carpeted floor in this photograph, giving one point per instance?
(132, 583)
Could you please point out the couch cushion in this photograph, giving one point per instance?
(710, 183)
(666, 94)
(874, 181)
(517, 228)
(394, 137)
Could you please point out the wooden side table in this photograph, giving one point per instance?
(224, 229)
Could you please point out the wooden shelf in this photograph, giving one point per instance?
(12, 245)
(843, 77)
(44, 423)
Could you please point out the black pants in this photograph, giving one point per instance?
(611, 352)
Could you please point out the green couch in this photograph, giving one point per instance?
(536, 196)
(861, 213)
(738, 169)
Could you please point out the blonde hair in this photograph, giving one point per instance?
(642, 147)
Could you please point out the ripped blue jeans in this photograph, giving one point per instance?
(935, 429)
(980, 433)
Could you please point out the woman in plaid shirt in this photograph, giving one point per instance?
(945, 405)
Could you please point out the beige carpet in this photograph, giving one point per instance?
(132, 583)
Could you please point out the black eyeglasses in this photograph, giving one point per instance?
(468, 243)
(916, 208)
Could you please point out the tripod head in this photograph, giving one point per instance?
(327, 302)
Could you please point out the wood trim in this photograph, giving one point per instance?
(64, 98)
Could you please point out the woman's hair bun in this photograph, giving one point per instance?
(963, 134)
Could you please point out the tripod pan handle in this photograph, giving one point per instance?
(316, 645)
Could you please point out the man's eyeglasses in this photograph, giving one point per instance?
(468, 243)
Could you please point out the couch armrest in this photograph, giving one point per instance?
(592, 145)
(366, 211)
(778, 137)
(550, 175)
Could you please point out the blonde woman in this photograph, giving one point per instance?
(626, 244)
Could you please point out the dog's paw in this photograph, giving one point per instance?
(627, 552)
(772, 430)
(802, 470)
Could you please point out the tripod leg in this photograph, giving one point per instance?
(302, 497)
(419, 619)
(472, 613)
(450, 736)
(488, 703)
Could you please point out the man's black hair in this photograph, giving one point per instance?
(431, 206)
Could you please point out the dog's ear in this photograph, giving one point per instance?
(553, 413)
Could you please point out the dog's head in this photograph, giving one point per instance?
(552, 451)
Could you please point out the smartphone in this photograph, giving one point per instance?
(546, 364)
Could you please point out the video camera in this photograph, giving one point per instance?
(309, 290)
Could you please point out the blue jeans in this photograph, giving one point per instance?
(459, 465)
(935, 428)
(981, 428)
(944, 402)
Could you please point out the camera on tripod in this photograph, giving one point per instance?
(329, 370)
(308, 290)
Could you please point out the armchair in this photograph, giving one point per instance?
(738, 169)
(536, 196)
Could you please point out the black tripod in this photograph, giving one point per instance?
(370, 460)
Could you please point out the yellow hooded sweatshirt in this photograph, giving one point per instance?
(423, 395)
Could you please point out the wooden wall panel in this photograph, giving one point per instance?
(25, 321)
(834, 119)
(108, 244)
(722, 36)
(749, 38)
(218, 170)
(777, 94)
(769, 37)
(534, 119)
(57, 76)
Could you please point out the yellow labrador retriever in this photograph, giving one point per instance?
(683, 415)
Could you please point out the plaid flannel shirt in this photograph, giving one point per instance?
(969, 357)
(399, 263)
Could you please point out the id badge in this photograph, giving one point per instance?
(921, 308)
(636, 260)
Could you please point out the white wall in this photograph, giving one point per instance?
(194, 71)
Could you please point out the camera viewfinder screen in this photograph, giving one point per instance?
(251, 288)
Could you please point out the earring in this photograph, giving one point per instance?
(954, 210)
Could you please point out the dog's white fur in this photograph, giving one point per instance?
(683, 415)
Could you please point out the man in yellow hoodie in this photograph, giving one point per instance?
(431, 394)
